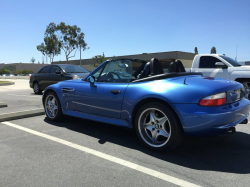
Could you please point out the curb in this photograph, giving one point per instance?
(21, 114)
(3, 105)
(7, 83)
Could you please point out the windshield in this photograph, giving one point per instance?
(73, 69)
(231, 61)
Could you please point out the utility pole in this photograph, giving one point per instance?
(80, 56)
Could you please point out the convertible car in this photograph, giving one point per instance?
(161, 105)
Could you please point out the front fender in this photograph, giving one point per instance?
(240, 74)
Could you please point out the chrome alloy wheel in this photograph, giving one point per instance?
(36, 88)
(154, 127)
(51, 106)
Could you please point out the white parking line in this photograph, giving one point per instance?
(24, 95)
(128, 164)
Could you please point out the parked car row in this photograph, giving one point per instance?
(52, 74)
(12, 75)
(7, 75)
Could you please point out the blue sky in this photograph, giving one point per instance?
(118, 27)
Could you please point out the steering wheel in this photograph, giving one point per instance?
(110, 73)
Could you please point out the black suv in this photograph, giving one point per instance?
(52, 74)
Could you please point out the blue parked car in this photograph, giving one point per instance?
(161, 107)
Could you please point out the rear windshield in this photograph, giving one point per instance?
(73, 69)
(231, 61)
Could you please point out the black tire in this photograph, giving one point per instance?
(58, 113)
(171, 127)
(36, 88)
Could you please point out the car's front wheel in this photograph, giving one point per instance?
(52, 107)
(158, 127)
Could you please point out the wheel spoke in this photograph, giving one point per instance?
(162, 120)
(53, 112)
(154, 136)
(163, 133)
(145, 125)
(53, 101)
(152, 116)
(55, 107)
(49, 102)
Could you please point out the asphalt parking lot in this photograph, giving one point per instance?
(28, 159)
(76, 152)
(19, 97)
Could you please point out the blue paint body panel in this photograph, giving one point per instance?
(99, 104)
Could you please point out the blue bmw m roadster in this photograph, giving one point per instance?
(161, 105)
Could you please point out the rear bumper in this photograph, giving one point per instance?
(210, 121)
(31, 85)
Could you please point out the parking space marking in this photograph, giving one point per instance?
(24, 95)
(125, 163)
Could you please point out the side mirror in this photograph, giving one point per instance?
(91, 79)
(58, 72)
(221, 65)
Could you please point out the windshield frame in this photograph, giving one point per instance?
(231, 61)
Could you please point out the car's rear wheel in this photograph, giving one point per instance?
(52, 107)
(36, 88)
(158, 127)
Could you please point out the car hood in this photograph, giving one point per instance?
(245, 68)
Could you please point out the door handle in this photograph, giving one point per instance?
(68, 89)
(115, 91)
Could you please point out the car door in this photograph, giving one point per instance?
(105, 97)
(43, 77)
(53, 77)
(207, 68)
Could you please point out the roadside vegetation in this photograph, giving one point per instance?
(23, 72)
(3, 82)
(98, 59)
(4, 71)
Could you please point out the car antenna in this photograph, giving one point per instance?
(185, 82)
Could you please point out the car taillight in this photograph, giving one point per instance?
(30, 76)
(214, 100)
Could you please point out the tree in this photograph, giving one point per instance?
(33, 60)
(70, 38)
(4, 71)
(51, 46)
(213, 50)
(98, 59)
(196, 50)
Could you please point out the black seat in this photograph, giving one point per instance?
(176, 67)
(145, 71)
(172, 68)
(180, 66)
(155, 67)
(151, 68)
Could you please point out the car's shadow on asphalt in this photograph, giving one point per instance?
(228, 153)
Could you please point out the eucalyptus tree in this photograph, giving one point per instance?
(51, 45)
(213, 50)
(71, 39)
